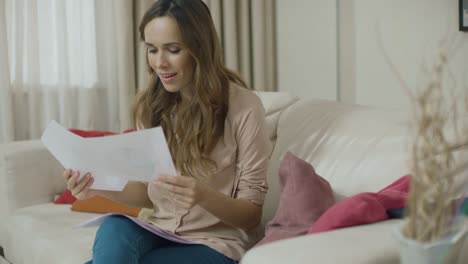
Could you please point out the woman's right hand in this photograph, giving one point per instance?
(79, 189)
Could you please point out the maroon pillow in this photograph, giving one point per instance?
(304, 197)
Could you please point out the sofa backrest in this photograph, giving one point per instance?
(274, 103)
(355, 148)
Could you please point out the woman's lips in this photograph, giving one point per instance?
(167, 77)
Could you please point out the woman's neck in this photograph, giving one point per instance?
(185, 98)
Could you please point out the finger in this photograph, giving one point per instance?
(184, 199)
(67, 174)
(177, 193)
(83, 182)
(172, 179)
(183, 204)
(177, 189)
(72, 180)
(85, 190)
(176, 180)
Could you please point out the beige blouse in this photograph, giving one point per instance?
(241, 156)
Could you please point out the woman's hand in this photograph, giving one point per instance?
(79, 189)
(186, 191)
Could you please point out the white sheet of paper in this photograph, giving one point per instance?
(112, 160)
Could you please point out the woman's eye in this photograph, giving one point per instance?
(174, 51)
(152, 51)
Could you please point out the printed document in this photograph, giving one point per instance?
(112, 160)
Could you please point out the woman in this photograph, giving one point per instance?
(216, 133)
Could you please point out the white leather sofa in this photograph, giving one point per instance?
(356, 148)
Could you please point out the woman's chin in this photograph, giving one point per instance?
(171, 89)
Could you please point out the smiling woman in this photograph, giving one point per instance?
(216, 132)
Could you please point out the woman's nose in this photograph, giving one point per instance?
(161, 60)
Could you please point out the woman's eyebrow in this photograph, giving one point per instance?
(165, 44)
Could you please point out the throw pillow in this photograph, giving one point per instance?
(103, 205)
(91, 133)
(304, 197)
(364, 208)
(66, 197)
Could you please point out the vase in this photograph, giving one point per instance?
(435, 252)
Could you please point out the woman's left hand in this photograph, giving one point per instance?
(186, 191)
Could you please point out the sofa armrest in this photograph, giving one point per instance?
(363, 244)
(29, 175)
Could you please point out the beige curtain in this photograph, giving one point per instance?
(6, 109)
(69, 61)
(246, 29)
(140, 6)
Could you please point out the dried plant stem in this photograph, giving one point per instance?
(430, 209)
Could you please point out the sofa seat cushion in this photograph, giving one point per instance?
(372, 243)
(47, 233)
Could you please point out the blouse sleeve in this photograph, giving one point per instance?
(254, 148)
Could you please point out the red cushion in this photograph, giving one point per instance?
(65, 198)
(363, 208)
(91, 133)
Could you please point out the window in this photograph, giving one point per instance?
(52, 42)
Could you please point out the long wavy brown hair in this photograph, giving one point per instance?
(201, 123)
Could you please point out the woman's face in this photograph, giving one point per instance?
(167, 54)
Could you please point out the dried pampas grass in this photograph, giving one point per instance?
(431, 212)
(430, 208)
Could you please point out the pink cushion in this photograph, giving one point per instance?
(363, 208)
(304, 197)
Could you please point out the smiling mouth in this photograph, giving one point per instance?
(167, 77)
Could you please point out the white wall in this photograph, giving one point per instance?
(411, 31)
(306, 47)
(324, 57)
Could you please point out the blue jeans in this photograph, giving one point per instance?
(119, 240)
